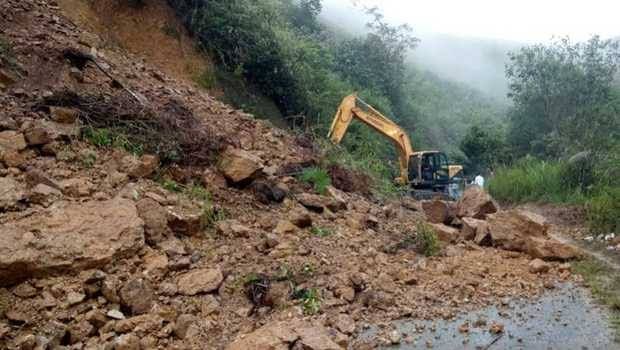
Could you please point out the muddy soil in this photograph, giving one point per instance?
(565, 318)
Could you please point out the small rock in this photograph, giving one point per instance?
(311, 202)
(25, 290)
(64, 115)
(115, 314)
(74, 298)
(44, 195)
(16, 316)
(300, 218)
(80, 331)
(183, 323)
(284, 227)
(200, 281)
(38, 136)
(127, 342)
(395, 337)
(137, 294)
(538, 266)
(12, 141)
(239, 166)
(496, 328)
(345, 324)
(232, 228)
(97, 318)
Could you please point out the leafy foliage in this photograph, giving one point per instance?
(318, 177)
(426, 240)
(320, 231)
(563, 95)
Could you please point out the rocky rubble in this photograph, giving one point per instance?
(104, 249)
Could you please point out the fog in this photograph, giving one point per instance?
(469, 41)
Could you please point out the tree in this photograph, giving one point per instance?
(377, 61)
(484, 149)
(563, 96)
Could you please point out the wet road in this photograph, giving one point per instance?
(565, 318)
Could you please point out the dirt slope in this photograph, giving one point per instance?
(151, 32)
(205, 236)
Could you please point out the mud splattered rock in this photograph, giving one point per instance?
(182, 325)
(312, 202)
(476, 230)
(127, 342)
(538, 266)
(232, 228)
(200, 281)
(155, 220)
(438, 212)
(137, 295)
(345, 324)
(239, 166)
(140, 167)
(11, 192)
(64, 115)
(550, 249)
(286, 335)
(445, 233)
(284, 227)
(12, 141)
(44, 195)
(69, 237)
(185, 221)
(476, 203)
(509, 229)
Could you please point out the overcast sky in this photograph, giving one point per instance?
(515, 20)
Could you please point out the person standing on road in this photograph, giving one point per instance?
(479, 180)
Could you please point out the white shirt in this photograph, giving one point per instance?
(479, 180)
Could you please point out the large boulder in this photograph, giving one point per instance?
(296, 334)
(239, 166)
(476, 230)
(476, 203)
(445, 233)
(526, 232)
(510, 229)
(69, 237)
(438, 212)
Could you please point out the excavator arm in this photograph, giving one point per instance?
(353, 107)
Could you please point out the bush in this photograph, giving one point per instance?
(603, 211)
(426, 240)
(533, 180)
(319, 178)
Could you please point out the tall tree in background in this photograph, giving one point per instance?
(377, 61)
(564, 99)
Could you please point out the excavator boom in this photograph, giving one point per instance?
(353, 107)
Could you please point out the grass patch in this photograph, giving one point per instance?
(317, 177)
(321, 231)
(103, 137)
(592, 184)
(171, 186)
(426, 240)
(604, 283)
(310, 300)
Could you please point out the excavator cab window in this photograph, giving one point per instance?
(441, 166)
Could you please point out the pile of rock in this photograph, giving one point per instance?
(477, 217)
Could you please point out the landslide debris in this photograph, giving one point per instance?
(111, 239)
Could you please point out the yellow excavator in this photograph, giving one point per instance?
(426, 172)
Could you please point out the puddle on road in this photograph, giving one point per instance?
(565, 318)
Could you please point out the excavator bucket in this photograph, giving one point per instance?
(343, 118)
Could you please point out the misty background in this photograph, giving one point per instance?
(477, 54)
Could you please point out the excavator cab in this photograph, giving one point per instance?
(429, 170)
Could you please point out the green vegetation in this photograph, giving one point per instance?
(171, 186)
(319, 178)
(426, 240)
(310, 300)
(103, 137)
(278, 49)
(604, 283)
(321, 231)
